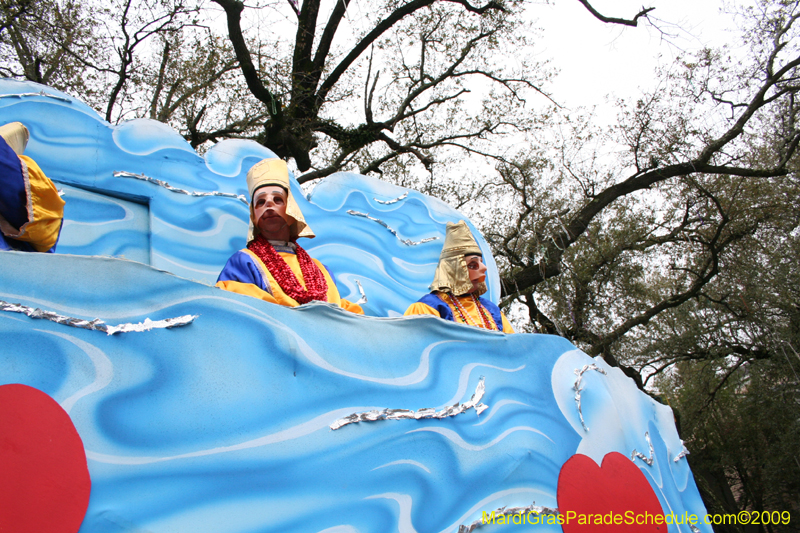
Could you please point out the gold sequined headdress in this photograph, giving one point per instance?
(275, 172)
(452, 274)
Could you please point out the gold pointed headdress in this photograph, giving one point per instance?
(16, 135)
(451, 274)
(275, 172)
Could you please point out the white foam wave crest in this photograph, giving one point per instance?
(456, 439)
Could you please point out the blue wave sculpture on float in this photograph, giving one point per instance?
(224, 425)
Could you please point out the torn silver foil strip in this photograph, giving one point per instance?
(161, 183)
(407, 242)
(97, 324)
(509, 511)
(363, 298)
(387, 202)
(684, 453)
(425, 412)
(578, 389)
(643, 457)
(40, 93)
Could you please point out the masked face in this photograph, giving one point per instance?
(477, 271)
(269, 209)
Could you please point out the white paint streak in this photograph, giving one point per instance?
(404, 524)
(404, 462)
(295, 432)
(103, 368)
(463, 379)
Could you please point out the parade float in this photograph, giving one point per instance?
(135, 396)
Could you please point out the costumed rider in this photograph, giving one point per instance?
(31, 211)
(458, 283)
(274, 267)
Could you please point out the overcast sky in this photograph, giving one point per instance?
(596, 59)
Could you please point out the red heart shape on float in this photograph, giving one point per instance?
(609, 498)
(45, 483)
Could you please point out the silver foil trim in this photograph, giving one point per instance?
(643, 457)
(40, 93)
(97, 324)
(695, 529)
(387, 202)
(578, 389)
(363, 298)
(425, 412)
(407, 242)
(684, 453)
(161, 183)
(509, 511)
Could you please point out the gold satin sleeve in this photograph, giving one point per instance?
(418, 308)
(347, 305)
(45, 209)
(248, 289)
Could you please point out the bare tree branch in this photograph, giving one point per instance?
(612, 20)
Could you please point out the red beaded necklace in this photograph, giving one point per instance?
(316, 286)
(488, 322)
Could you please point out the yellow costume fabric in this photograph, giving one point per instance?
(467, 303)
(238, 276)
(45, 209)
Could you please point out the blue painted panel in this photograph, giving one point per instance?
(98, 224)
(223, 426)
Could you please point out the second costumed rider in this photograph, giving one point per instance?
(458, 283)
(274, 267)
